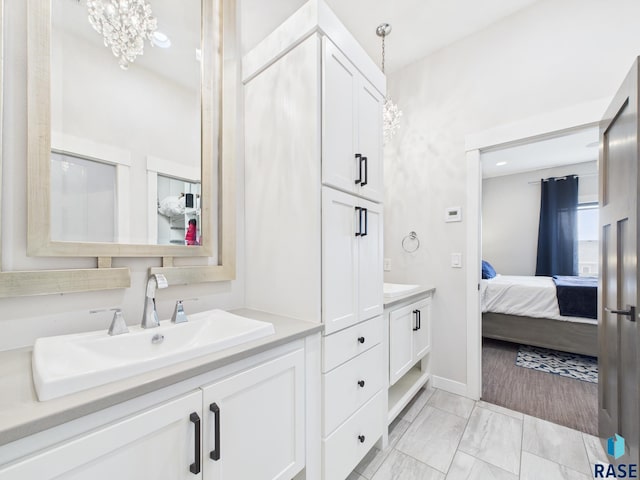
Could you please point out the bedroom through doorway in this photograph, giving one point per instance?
(538, 293)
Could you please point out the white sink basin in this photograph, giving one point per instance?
(69, 363)
(392, 290)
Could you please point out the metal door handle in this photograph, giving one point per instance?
(359, 159)
(215, 453)
(195, 467)
(366, 171)
(359, 232)
(416, 324)
(630, 312)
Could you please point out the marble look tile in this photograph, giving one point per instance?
(494, 438)
(460, 406)
(595, 450)
(399, 466)
(354, 476)
(414, 407)
(499, 409)
(396, 430)
(371, 462)
(433, 437)
(535, 468)
(556, 443)
(466, 467)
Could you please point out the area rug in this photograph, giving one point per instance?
(571, 365)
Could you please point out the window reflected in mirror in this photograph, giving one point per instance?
(83, 193)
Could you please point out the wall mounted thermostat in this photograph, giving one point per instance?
(453, 214)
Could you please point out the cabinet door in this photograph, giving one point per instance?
(370, 137)
(259, 416)
(401, 357)
(370, 259)
(339, 259)
(422, 336)
(158, 443)
(339, 102)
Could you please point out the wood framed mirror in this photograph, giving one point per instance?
(75, 164)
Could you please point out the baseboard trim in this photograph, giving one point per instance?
(450, 386)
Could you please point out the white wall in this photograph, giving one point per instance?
(511, 213)
(22, 319)
(555, 54)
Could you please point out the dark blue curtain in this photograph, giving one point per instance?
(558, 230)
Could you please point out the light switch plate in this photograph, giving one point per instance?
(387, 264)
(456, 260)
(453, 214)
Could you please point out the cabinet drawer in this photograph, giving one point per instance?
(344, 449)
(350, 385)
(352, 341)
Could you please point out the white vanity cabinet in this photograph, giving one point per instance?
(255, 422)
(352, 259)
(158, 443)
(351, 126)
(313, 217)
(409, 338)
(249, 424)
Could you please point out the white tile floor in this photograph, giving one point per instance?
(444, 436)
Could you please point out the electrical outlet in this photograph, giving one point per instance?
(387, 264)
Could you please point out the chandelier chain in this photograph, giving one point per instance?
(383, 51)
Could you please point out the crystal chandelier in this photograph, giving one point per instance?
(124, 24)
(390, 112)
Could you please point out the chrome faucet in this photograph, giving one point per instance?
(150, 315)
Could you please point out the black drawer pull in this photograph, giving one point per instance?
(361, 383)
(361, 438)
(215, 453)
(359, 159)
(361, 339)
(195, 467)
(416, 313)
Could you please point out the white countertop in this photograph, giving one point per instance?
(412, 295)
(21, 414)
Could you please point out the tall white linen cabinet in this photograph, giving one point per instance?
(313, 192)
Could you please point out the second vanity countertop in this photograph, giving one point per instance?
(412, 295)
(21, 414)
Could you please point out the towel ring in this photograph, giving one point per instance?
(410, 239)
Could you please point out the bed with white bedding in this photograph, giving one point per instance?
(524, 309)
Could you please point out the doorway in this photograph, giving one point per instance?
(534, 358)
(531, 130)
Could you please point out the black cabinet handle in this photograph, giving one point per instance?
(366, 222)
(360, 339)
(364, 160)
(215, 453)
(361, 383)
(195, 467)
(359, 232)
(419, 319)
(361, 438)
(359, 159)
(416, 327)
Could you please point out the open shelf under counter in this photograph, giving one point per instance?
(403, 391)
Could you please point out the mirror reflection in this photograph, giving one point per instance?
(126, 121)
